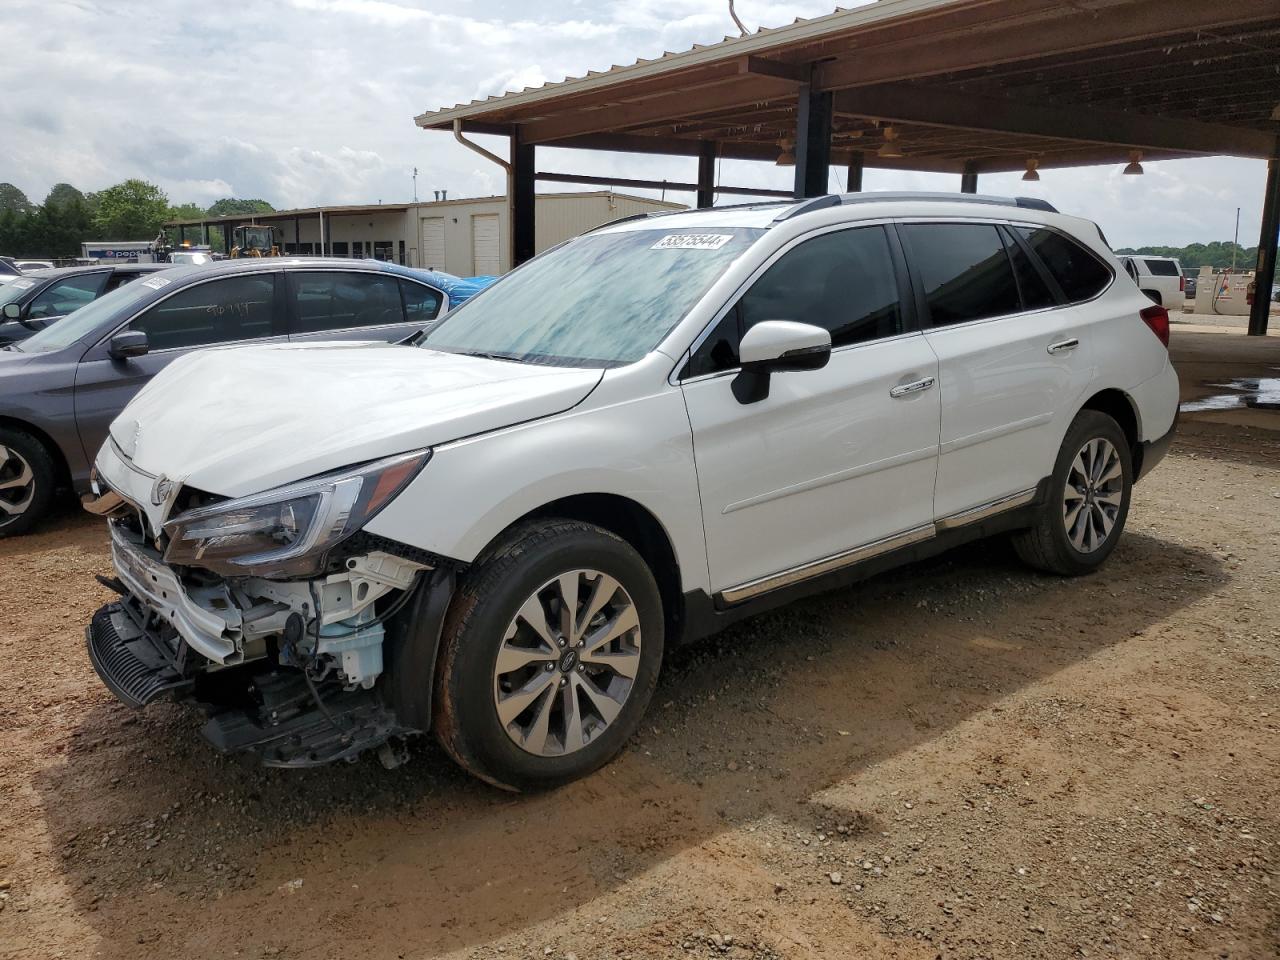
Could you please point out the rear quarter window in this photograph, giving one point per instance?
(1080, 274)
(1163, 268)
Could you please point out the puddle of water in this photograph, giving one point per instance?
(1260, 393)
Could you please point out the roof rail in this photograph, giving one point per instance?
(839, 200)
(753, 205)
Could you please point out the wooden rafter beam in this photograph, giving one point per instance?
(679, 106)
(1061, 31)
(942, 107)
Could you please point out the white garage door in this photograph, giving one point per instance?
(433, 243)
(484, 244)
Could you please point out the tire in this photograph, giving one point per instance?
(1054, 546)
(27, 480)
(539, 724)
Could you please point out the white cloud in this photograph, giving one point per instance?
(312, 101)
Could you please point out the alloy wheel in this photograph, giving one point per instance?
(17, 484)
(1093, 495)
(567, 663)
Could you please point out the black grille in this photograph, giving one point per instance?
(129, 661)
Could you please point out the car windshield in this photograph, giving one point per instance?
(84, 321)
(604, 299)
(16, 289)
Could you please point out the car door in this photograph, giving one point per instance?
(1013, 361)
(241, 308)
(833, 459)
(357, 305)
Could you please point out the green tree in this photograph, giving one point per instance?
(66, 221)
(230, 206)
(187, 211)
(1217, 254)
(133, 210)
(63, 195)
(11, 198)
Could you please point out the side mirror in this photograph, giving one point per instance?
(776, 346)
(126, 344)
(12, 311)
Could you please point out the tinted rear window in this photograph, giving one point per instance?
(1036, 294)
(1162, 268)
(964, 270)
(1079, 273)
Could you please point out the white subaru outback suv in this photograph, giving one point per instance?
(640, 436)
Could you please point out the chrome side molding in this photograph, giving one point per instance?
(982, 511)
(848, 558)
(816, 568)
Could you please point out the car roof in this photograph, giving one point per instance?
(95, 268)
(220, 268)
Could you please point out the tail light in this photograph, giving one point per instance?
(1182, 283)
(1157, 318)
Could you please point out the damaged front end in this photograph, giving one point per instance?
(273, 612)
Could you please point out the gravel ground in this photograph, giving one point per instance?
(961, 759)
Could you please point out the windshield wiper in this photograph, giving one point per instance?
(492, 356)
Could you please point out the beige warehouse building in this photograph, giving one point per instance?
(463, 237)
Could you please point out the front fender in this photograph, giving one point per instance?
(640, 449)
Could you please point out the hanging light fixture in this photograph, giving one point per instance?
(890, 149)
(1032, 175)
(787, 156)
(1134, 167)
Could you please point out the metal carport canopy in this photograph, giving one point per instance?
(964, 86)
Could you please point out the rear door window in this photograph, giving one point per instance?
(340, 300)
(1163, 268)
(1035, 292)
(421, 303)
(1080, 274)
(219, 311)
(963, 270)
(120, 278)
(66, 296)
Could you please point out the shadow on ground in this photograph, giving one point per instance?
(752, 723)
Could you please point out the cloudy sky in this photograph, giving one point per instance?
(309, 102)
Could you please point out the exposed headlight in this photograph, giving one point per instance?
(287, 531)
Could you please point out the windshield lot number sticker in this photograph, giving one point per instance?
(692, 241)
(155, 283)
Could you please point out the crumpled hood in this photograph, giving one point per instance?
(241, 420)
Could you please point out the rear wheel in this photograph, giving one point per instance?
(550, 653)
(1088, 500)
(27, 478)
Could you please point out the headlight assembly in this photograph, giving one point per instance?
(287, 531)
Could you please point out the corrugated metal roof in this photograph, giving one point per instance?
(764, 40)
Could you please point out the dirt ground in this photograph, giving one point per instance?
(959, 759)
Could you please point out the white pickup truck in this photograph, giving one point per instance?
(1160, 278)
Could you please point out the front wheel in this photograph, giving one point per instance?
(27, 479)
(1088, 500)
(549, 656)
